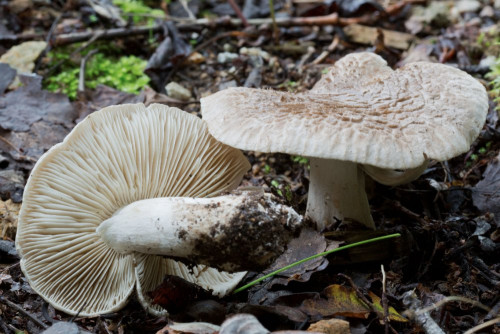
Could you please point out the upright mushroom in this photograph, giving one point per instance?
(117, 156)
(361, 115)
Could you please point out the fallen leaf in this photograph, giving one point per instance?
(28, 104)
(393, 314)
(11, 185)
(22, 57)
(340, 301)
(7, 74)
(343, 301)
(486, 193)
(171, 52)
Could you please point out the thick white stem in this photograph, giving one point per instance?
(337, 191)
(391, 177)
(243, 231)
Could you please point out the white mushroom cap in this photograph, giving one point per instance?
(360, 111)
(116, 156)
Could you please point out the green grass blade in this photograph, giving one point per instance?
(359, 243)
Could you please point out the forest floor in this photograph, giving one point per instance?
(449, 218)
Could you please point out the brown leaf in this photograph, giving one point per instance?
(344, 301)
(341, 301)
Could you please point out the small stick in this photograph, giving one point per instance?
(21, 310)
(333, 45)
(21, 155)
(238, 12)
(384, 301)
(81, 76)
(47, 40)
(483, 325)
(186, 8)
(422, 319)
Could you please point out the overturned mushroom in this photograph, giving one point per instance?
(118, 156)
(361, 115)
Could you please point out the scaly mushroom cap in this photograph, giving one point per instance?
(116, 156)
(360, 111)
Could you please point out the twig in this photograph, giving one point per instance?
(385, 304)
(483, 325)
(21, 310)
(332, 19)
(186, 8)
(81, 76)
(238, 12)
(47, 40)
(333, 45)
(21, 155)
(411, 301)
(64, 39)
(77, 51)
(451, 299)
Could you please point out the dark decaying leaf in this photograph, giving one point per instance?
(172, 51)
(343, 301)
(259, 8)
(7, 74)
(486, 193)
(310, 242)
(175, 294)
(28, 104)
(11, 185)
(349, 8)
(8, 252)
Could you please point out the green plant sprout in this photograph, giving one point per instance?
(355, 244)
(300, 160)
(125, 73)
(288, 191)
(139, 12)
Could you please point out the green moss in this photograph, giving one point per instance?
(124, 73)
(140, 13)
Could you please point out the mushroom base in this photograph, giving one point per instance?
(244, 231)
(337, 191)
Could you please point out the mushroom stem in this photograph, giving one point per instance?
(391, 177)
(242, 231)
(337, 191)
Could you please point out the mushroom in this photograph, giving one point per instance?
(117, 156)
(361, 117)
